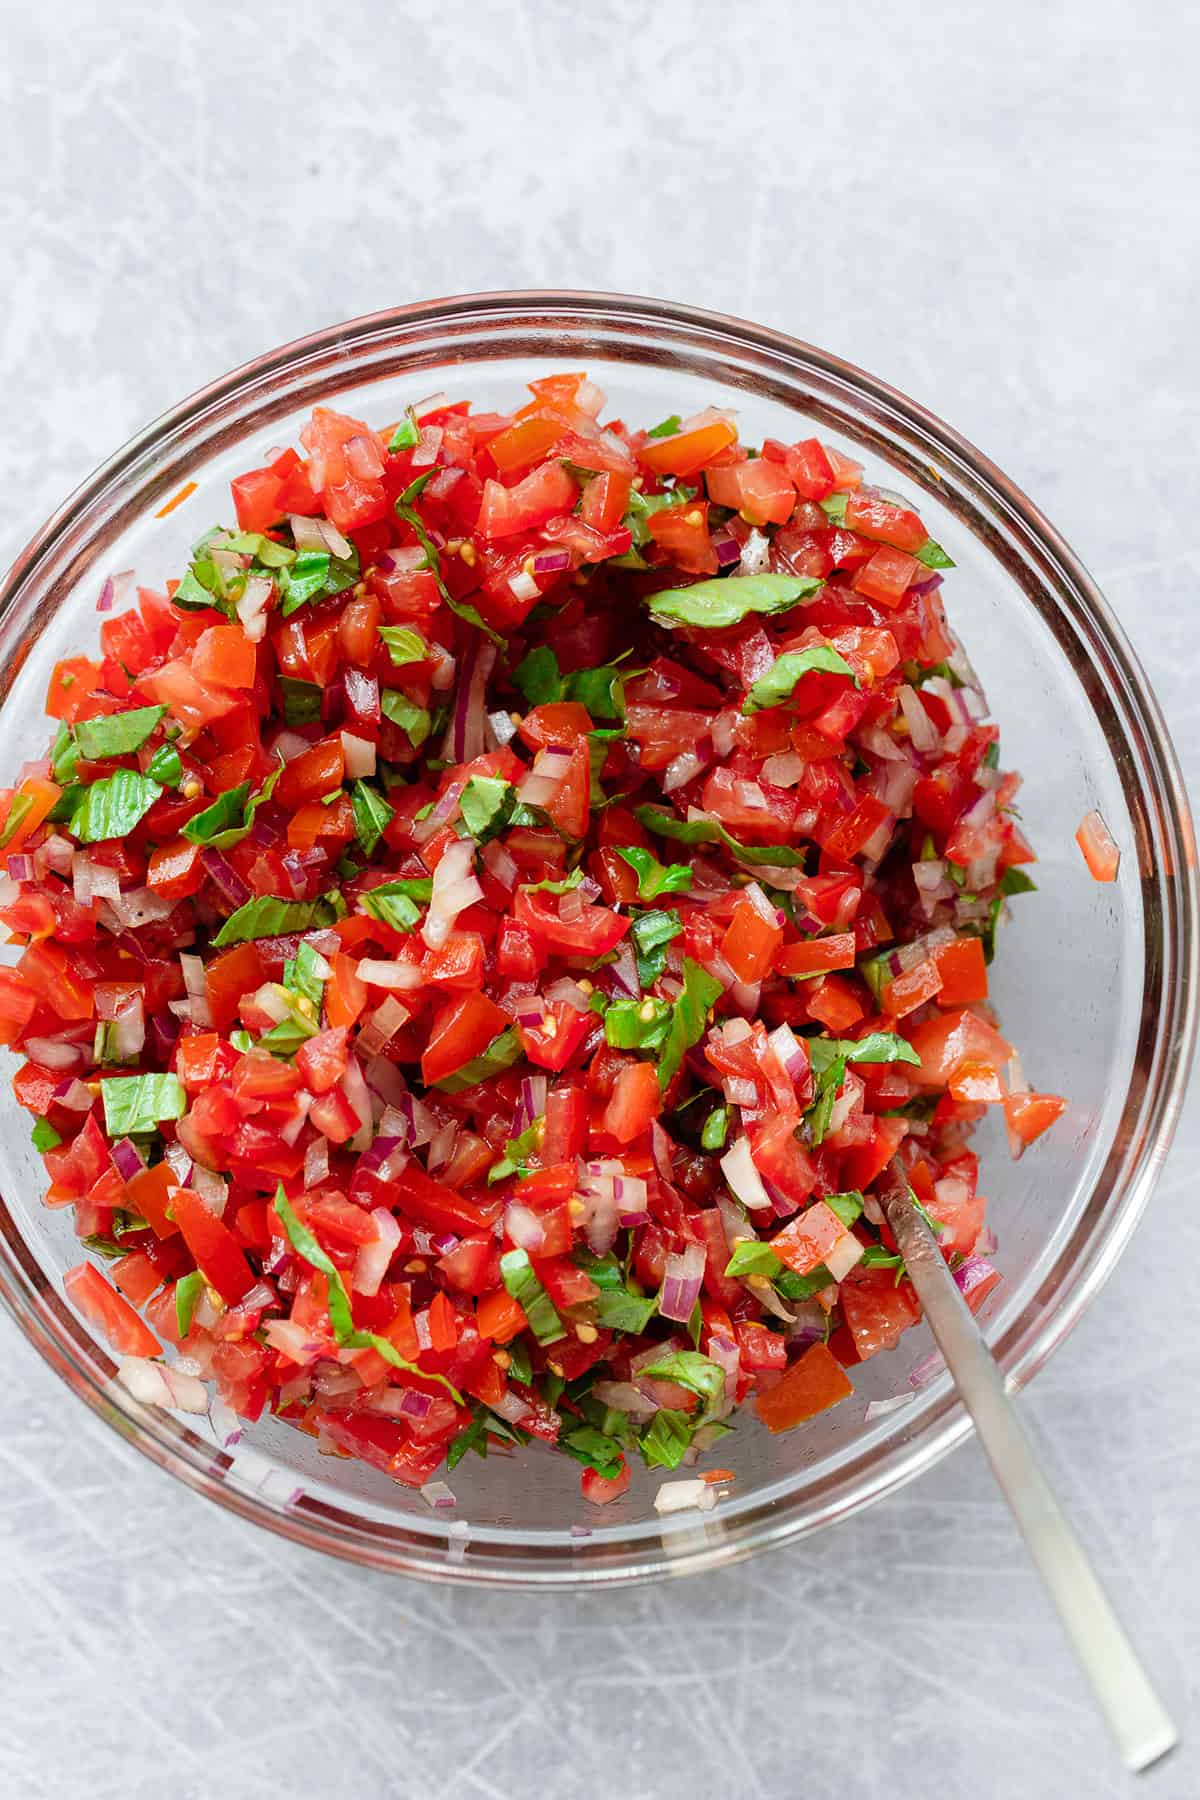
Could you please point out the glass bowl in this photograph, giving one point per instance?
(1096, 984)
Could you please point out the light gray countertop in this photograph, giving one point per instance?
(993, 208)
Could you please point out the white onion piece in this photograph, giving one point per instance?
(785, 769)
(359, 755)
(377, 973)
(737, 1166)
(155, 1384)
(251, 608)
(371, 1263)
(523, 1227)
(685, 1496)
(844, 1256)
(438, 1495)
(454, 889)
(545, 778)
(755, 553)
(921, 728)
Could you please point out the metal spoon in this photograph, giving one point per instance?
(1136, 1716)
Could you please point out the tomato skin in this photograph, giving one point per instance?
(636, 1102)
(111, 1315)
(602, 1489)
(809, 1239)
(760, 490)
(1028, 1115)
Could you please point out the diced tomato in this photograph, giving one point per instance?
(1099, 847)
(815, 1382)
(1028, 1115)
(809, 1239)
(635, 1104)
(112, 1316)
(760, 490)
(213, 1245)
(462, 1029)
(877, 1310)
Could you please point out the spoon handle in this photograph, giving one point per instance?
(1136, 1716)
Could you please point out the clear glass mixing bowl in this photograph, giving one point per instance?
(1095, 983)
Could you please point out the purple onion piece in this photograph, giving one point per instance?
(126, 1160)
(224, 877)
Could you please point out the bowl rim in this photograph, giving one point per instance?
(165, 1442)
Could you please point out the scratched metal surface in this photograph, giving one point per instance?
(995, 209)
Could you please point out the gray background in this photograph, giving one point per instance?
(995, 209)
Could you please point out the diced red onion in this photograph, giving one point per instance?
(876, 1409)
(687, 765)
(107, 596)
(844, 1256)
(378, 1029)
(685, 1496)
(20, 868)
(500, 865)
(568, 992)
(726, 547)
(510, 1407)
(126, 1159)
(316, 1162)
(531, 1101)
(624, 1397)
(624, 973)
(551, 562)
(54, 1055)
(926, 1369)
(740, 1090)
(682, 1275)
(876, 845)
(441, 1146)
(180, 1163)
(225, 877)
(227, 1427)
(790, 1051)
(377, 973)
(464, 734)
(210, 1187)
(921, 729)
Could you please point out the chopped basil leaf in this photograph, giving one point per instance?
(727, 600)
(134, 1104)
(515, 1151)
(554, 887)
(599, 690)
(270, 917)
(777, 685)
(486, 804)
(395, 910)
(538, 678)
(240, 827)
(834, 508)
(595, 1450)
(407, 715)
(187, 1293)
(301, 700)
(619, 1310)
(847, 1206)
(194, 595)
(407, 511)
(667, 1439)
(341, 1316)
(933, 556)
(501, 1054)
(304, 974)
(227, 810)
(655, 878)
(166, 766)
(19, 808)
(716, 1129)
(64, 757)
(876, 1047)
(876, 1257)
(637, 1024)
(519, 1366)
(372, 815)
(472, 1437)
(403, 645)
(111, 808)
(263, 549)
(753, 1258)
(407, 433)
(117, 734)
(699, 1374)
(707, 831)
(413, 887)
(516, 1271)
(286, 1038)
(241, 1041)
(667, 428)
(651, 933)
(1016, 881)
(314, 575)
(689, 1015)
(44, 1135)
